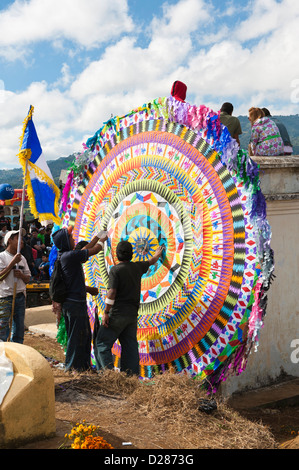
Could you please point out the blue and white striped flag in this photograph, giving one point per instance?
(43, 194)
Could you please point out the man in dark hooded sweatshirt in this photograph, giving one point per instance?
(74, 308)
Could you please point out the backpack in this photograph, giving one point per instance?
(57, 287)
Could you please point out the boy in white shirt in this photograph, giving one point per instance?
(13, 269)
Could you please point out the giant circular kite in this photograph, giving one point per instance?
(169, 174)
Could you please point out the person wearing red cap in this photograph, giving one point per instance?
(179, 91)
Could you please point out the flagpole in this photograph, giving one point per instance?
(22, 209)
(18, 251)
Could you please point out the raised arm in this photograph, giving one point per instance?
(96, 244)
(156, 256)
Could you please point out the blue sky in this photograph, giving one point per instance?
(79, 62)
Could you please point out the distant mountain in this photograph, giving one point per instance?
(15, 177)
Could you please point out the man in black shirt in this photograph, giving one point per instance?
(121, 310)
(26, 251)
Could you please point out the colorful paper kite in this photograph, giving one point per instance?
(169, 174)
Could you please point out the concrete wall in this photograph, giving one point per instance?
(278, 351)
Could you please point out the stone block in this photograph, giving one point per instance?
(27, 412)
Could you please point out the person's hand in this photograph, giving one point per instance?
(158, 251)
(103, 238)
(92, 290)
(56, 309)
(105, 320)
(18, 273)
(156, 256)
(16, 259)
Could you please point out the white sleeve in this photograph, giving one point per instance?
(2, 263)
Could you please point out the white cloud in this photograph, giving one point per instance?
(87, 23)
(53, 116)
(128, 70)
(65, 79)
(181, 19)
(251, 73)
(268, 16)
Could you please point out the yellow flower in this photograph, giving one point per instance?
(84, 437)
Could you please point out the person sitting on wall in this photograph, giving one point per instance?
(265, 138)
(231, 122)
(288, 147)
(179, 91)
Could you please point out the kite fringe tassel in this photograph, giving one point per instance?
(171, 114)
(66, 190)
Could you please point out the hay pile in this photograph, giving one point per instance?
(175, 401)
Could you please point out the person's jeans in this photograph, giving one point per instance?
(78, 350)
(18, 328)
(124, 328)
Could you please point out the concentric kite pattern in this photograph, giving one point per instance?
(169, 174)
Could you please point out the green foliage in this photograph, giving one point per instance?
(13, 177)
